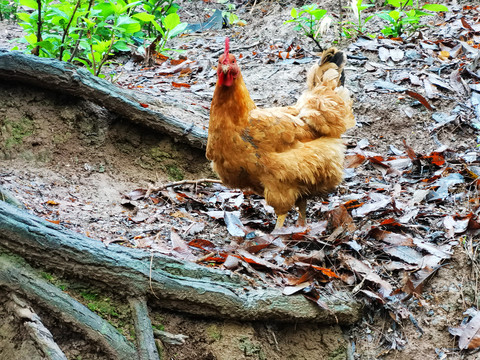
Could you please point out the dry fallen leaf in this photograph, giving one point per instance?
(468, 333)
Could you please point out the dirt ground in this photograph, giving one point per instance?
(58, 149)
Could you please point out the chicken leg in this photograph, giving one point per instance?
(280, 221)
(301, 206)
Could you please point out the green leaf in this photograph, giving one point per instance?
(89, 23)
(394, 14)
(170, 21)
(386, 17)
(395, 3)
(32, 4)
(126, 7)
(46, 45)
(104, 9)
(410, 20)
(435, 7)
(157, 27)
(24, 17)
(121, 46)
(173, 9)
(31, 39)
(419, 13)
(294, 13)
(144, 17)
(388, 31)
(400, 3)
(180, 28)
(127, 24)
(318, 14)
(66, 56)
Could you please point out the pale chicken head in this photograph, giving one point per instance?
(227, 69)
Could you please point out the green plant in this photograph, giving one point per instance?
(47, 276)
(89, 32)
(229, 14)
(102, 306)
(15, 131)
(174, 173)
(158, 9)
(8, 9)
(89, 296)
(405, 18)
(312, 21)
(357, 26)
(109, 28)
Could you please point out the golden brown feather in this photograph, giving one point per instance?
(285, 154)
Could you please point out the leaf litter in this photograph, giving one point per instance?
(392, 224)
(383, 235)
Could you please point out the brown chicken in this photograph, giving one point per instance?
(286, 154)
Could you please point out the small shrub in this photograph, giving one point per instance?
(89, 32)
(405, 18)
(311, 21)
(357, 26)
(8, 9)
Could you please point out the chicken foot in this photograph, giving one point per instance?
(280, 221)
(301, 207)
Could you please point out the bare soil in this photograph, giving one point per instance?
(72, 161)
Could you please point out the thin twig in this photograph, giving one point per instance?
(150, 276)
(205, 257)
(182, 182)
(340, 5)
(253, 6)
(36, 50)
(105, 57)
(316, 42)
(65, 31)
(75, 50)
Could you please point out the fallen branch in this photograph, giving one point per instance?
(147, 350)
(38, 332)
(169, 338)
(8, 197)
(18, 276)
(160, 114)
(181, 182)
(181, 285)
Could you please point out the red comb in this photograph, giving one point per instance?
(227, 48)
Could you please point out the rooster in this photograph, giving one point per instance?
(286, 154)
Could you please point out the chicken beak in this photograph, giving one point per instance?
(225, 68)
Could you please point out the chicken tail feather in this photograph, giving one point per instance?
(327, 105)
(329, 68)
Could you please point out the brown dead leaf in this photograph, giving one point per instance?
(57, 222)
(353, 161)
(180, 247)
(179, 85)
(391, 238)
(367, 273)
(430, 89)
(466, 25)
(469, 333)
(340, 217)
(231, 262)
(290, 290)
(443, 55)
(420, 98)
(328, 272)
(257, 260)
